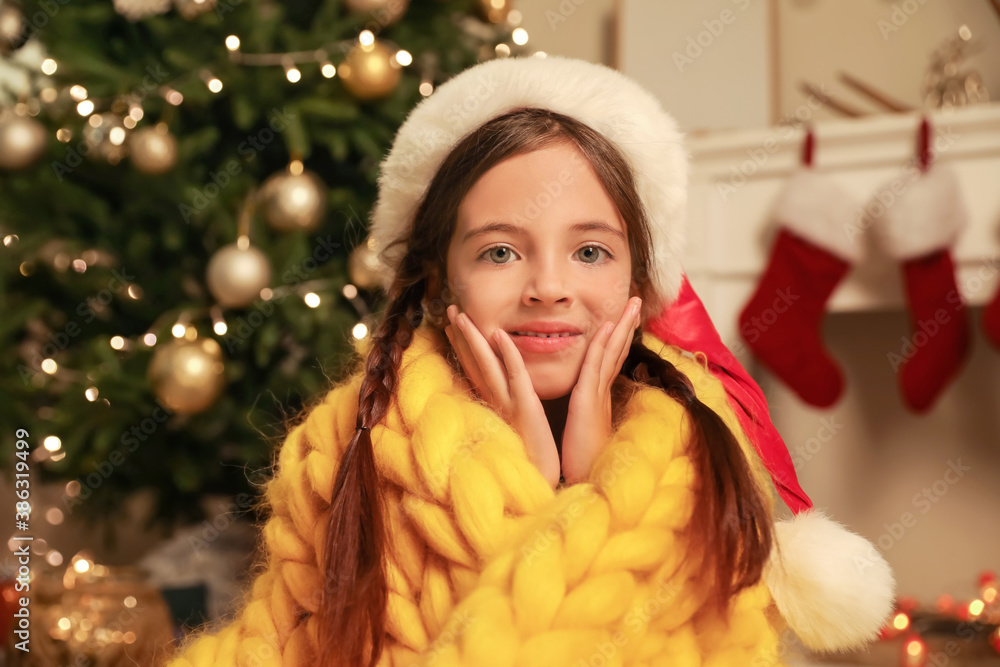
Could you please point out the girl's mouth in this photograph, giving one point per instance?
(527, 341)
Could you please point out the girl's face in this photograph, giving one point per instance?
(539, 247)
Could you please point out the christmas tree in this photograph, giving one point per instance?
(184, 192)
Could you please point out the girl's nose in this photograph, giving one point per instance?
(548, 283)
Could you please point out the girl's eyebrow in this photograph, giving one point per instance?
(508, 228)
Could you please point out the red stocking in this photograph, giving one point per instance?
(918, 227)
(812, 253)
(939, 341)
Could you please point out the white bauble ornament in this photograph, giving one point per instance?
(135, 10)
(192, 9)
(13, 34)
(153, 150)
(235, 276)
(365, 268)
(370, 72)
(22, 141)
(187, 376)
(294, 201)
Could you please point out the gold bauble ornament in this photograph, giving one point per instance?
(192, 9)
(236, 275)
(385, 12)
(495, 11)
(22, 141)
(153, 150)
(364, 267)
(105, 138)
(187, 376)
(12, 29)
(294, 199)
(370, 71)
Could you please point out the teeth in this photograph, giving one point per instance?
(541, 335)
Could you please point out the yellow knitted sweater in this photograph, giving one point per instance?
(488, 565)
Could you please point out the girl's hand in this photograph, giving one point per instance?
(506, 387)
(588, 421)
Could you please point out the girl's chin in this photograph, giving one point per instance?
(548, 389)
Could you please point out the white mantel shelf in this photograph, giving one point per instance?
(729, 229)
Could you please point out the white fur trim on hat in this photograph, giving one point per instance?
(832, 587)
(599, 96)
(927, 215)
(814, 207)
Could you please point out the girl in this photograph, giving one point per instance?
(520, 473)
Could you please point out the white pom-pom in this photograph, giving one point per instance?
(832, 587)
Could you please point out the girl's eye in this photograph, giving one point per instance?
(498, 254)
(591, 254)
(501, 254)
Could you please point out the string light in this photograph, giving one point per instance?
(49, 66)
(50, 366)
(359, 331)
(366, 38)
(219, 325)
(312, 300)
(91, 394)
(328, 70)
(403, 57)
(52, 443)
(85, 108)
(519, 36)
(211, 81)
(78, 93)
(117, 343)
(172, 96)
(233, 43)
(178, 330)
(149, 339)
(292, 72)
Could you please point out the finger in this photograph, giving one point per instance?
(619, 342)
(465, 354)
(492, 367)
(590, 374)
(517, 373)
(465, 357)
(626, 347)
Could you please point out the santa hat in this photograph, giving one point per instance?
(832, 586)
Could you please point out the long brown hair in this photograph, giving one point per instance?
(731, 528)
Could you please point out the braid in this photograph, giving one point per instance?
(353, 607)
(731, 524)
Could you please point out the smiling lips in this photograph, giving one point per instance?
(544, 336)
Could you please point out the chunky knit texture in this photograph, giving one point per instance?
(488, 564)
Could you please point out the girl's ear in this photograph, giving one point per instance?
(433, 282)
